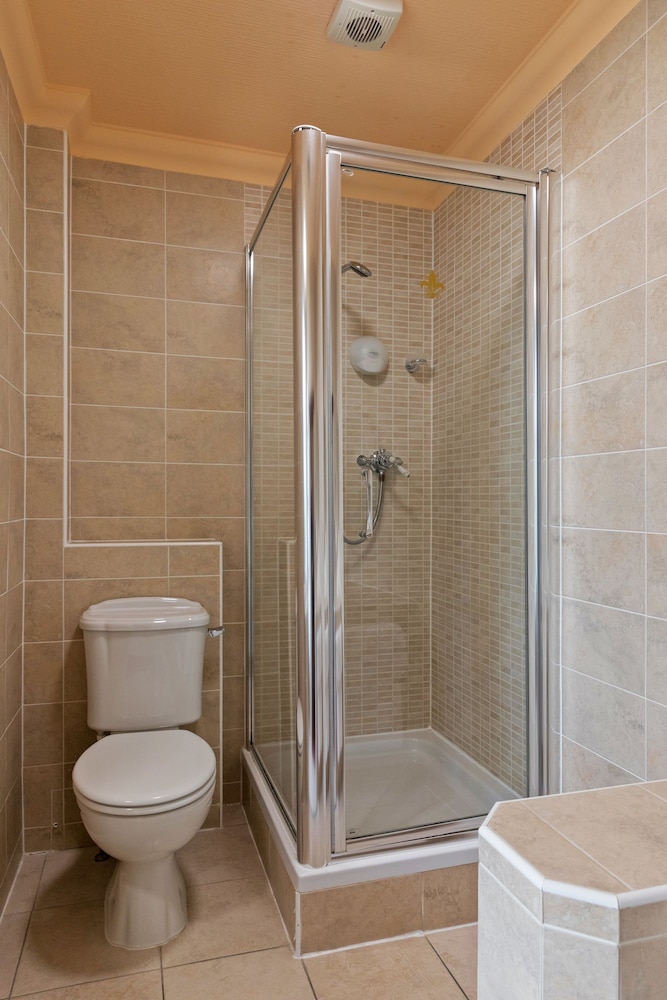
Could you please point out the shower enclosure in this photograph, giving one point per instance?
(395, 387)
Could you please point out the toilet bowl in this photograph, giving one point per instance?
(142, 796)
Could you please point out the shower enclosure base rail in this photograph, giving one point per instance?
(359, 898)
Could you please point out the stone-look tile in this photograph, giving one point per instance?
(604, 491)
(65, 945)
(13, 927)
(45, 138)
(592, 919)
(642, 969)
(205, 384)
(73, 877)
(606, 262)
(607, 720)
(457, 948)
(656, 329)
(631, 28)
(117, 489)
(656, 407)
(205, 329)
(194, 560)
(44, 426)
(604, 415)
(656, 485)
(284, 892)
(205, 436)
(204, 491)
(656, 660)
(117, 378)
(605, 643)
(205, 276)
(214, 187)
(656, 581)
(604, 567)
(607, 338)
(656, 256)
(655, 10)
(143, 986)
(450, 896)
(598, 191)
(336, 918)
(509, 945)
(271, 973)
(44, 303)
(79, 594)
(42, 672)
(612, 103)
(637, 922)
(123, 529)
(44, 179)
(43, 611)
(655, 150)
(122, 211)
(617, 826)
(219, 856)
(543, 848)
(407, 968)
(44, 487)
(44, 364)
(576, 965)
(120, 173)
(226, 918)
(116, 433)
(108, 562)
(195, 220)
(43, 734)
(42, 786)
(24, 890)
(656, 76)
(124, 322)
(118, 266)
(44, 241)
(656, 741)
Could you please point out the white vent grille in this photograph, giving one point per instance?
(362, 24)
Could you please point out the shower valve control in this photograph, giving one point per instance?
(381, 460)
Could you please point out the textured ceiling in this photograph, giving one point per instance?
(245, 73)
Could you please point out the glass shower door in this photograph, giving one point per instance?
(271, 487)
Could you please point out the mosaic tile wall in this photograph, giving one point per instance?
(387, 578)
(12, 452)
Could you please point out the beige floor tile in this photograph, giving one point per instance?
(458, 949)
(73, 877)
(233, 815)
(144, 986)
(12, 933)
(24, 890)
(220, 855)
(226, 918)
(407, 969)
(264, 975)
(66, 945)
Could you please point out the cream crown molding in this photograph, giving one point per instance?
(579, 30)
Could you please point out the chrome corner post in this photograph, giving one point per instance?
(312, 498)
(249, 541)
(536, 321)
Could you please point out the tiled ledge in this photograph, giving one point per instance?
(573, 896)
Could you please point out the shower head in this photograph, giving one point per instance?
(360, 269)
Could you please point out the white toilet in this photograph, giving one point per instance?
(144, 789)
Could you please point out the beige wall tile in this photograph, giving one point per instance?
(605, 643)
(630, 29)
(509, 945)
(205, 436)
(205, 328)
(124, 529)
(655, 10)
(605, 491)
(109, 562)
(205, 490)
(656, 660)
(656, 77)
(43, 674)
(605, 719)
(45, 138)
(194, 560)
(619, 244)
(205, 384)
(655, 150)
(44, 303)
(117, 210)
(656, 740)
(44, 365)
(117, 378)
(44, 426)
(44, 179)
(121, 173)
(604, 415)
(118, 322)
(656, 406)
(450, 896)
(656, 255)
(604, 567)
(117, 433)
(118, 266)
(605, 338)
(656, 338)
(216, 187)
(584, 769)
(44, 241)
(44, 487)
(573, 963)
(194, 220)
(43, 549)
(205, 276)
(43, 735)
(656, 575)
(43, 611)
(80, 594)
(117, 489)
(612, 103)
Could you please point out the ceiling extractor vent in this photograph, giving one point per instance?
(363, 24)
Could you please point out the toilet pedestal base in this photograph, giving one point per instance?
(145, 904)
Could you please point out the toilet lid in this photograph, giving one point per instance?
(144, 769)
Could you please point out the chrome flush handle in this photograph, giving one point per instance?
(216, 631)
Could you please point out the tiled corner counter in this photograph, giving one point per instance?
(573, 897)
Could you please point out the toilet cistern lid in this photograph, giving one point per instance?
(144, 769)
(134, 614)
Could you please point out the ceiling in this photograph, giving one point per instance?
(226, 75)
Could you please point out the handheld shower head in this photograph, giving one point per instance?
(360, 269)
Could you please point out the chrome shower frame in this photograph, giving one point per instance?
(315, 168)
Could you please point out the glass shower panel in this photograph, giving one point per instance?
(272, 502)
(435, 600)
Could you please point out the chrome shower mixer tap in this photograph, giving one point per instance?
(380, 461)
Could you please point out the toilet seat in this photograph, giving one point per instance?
(144, 773)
